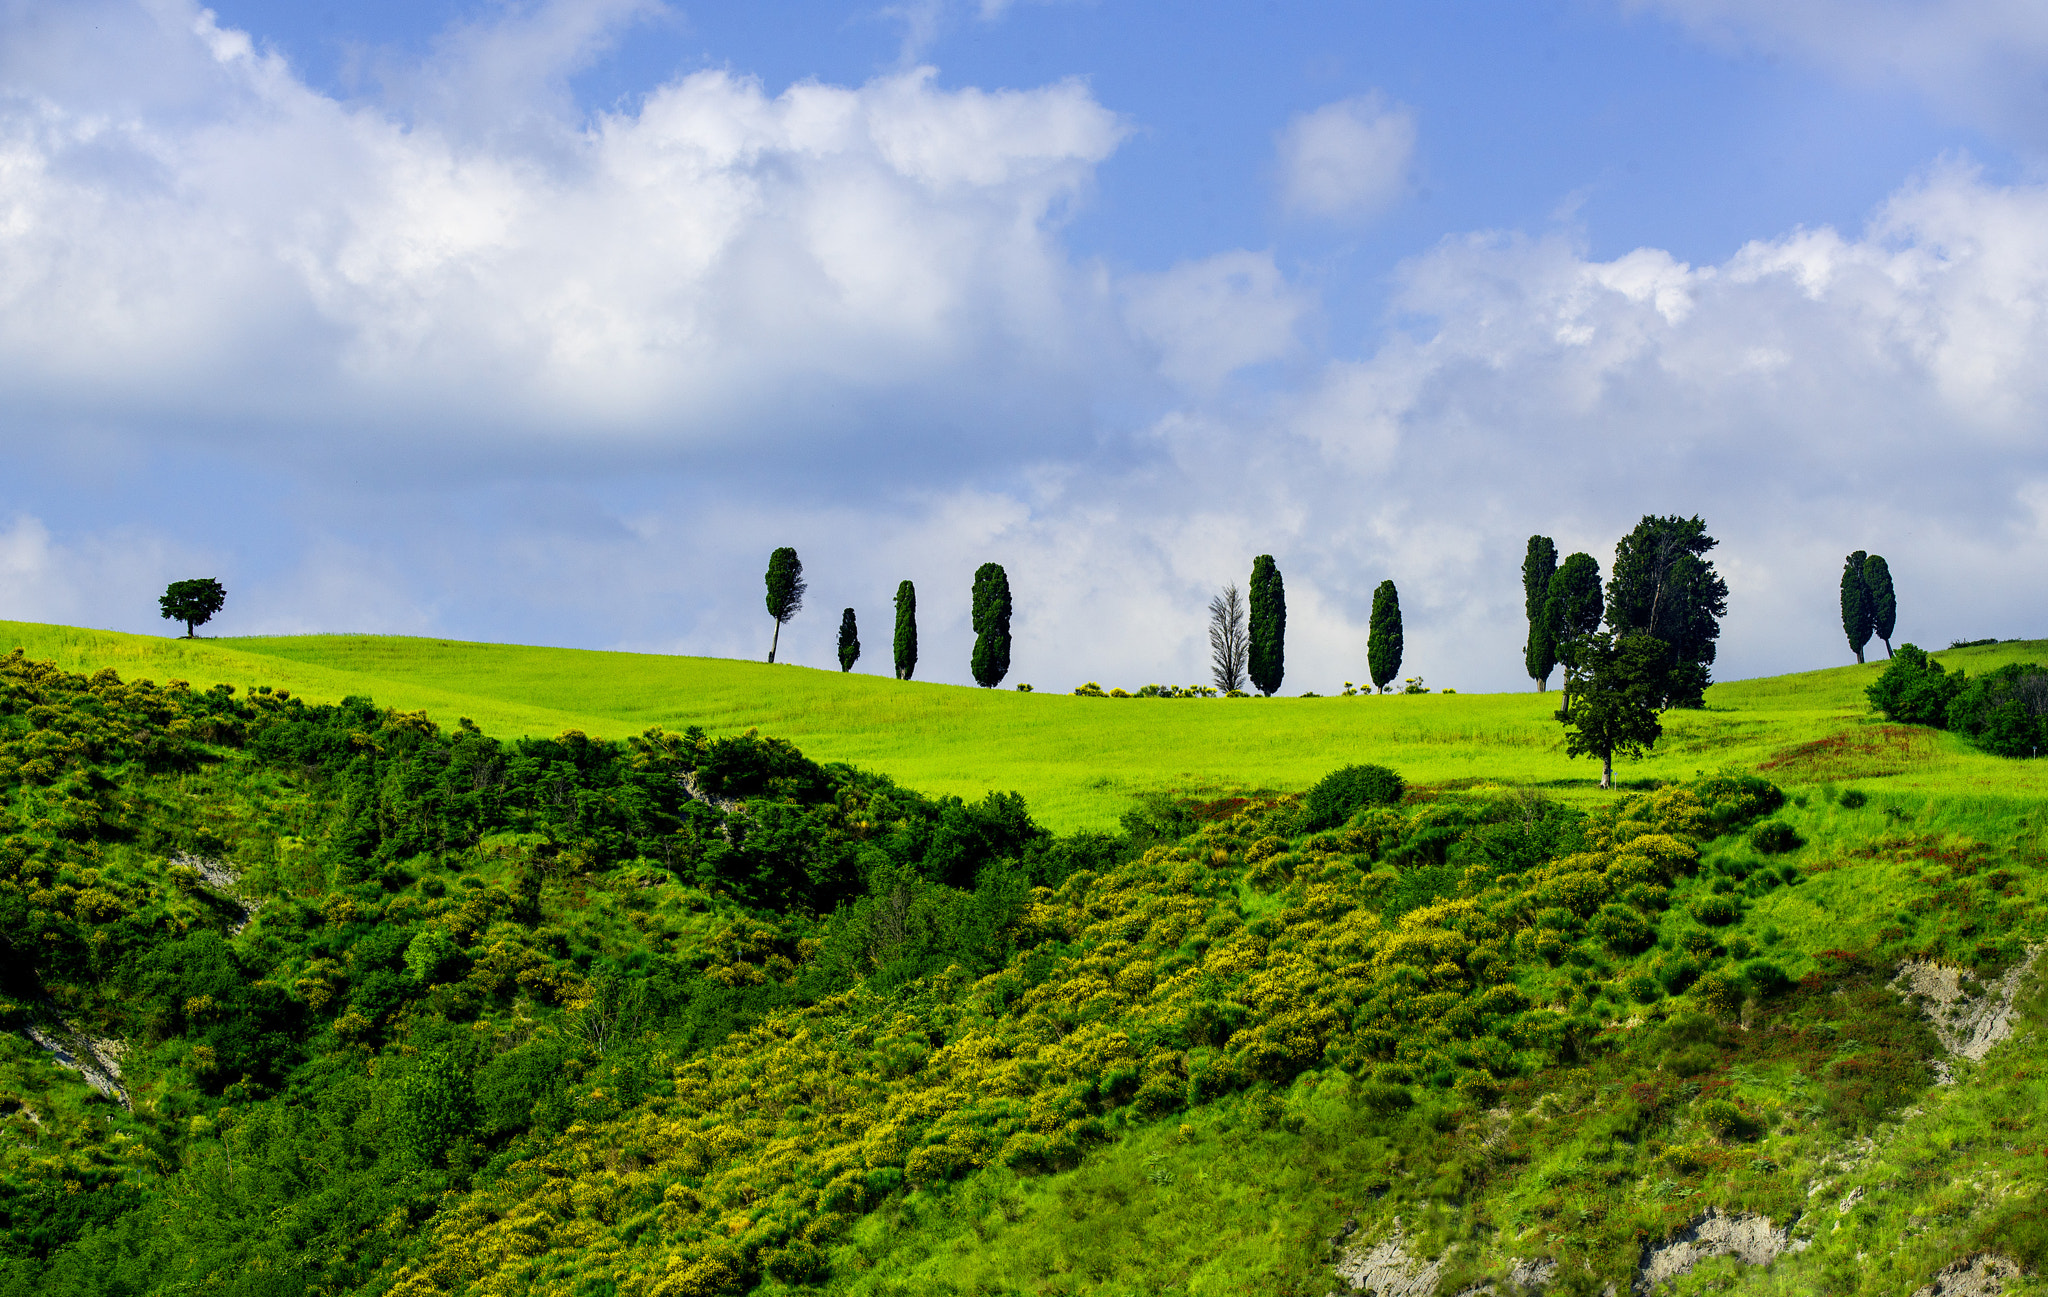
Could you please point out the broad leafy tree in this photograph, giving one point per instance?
(849, 641)
(1664, 586)
(1857, 618)
(906, 630)
(193, 602)
(1538, 566)
(1572, 612)
(1266, 654)
(1884, 604)
(1621, 686)
(1383, 636)
(1227, 640)
(991, 660)
(785, 591)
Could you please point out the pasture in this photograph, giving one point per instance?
(1080, 761)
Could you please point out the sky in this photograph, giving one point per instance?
(546, 322)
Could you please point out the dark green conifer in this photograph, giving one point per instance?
(849, 641)
(1266, 656)
(906, 630)
(1857, 620)
(991, 661)
(1571, 613)
(1884, 604)
(1664, 586)
(1383, 636)
(785, 591)
(1540, 655)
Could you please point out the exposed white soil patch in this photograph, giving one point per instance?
(1968, 1023)
(97, 1060)
(221, 879)
(1983, 1275)
(1751, 1239)
(1523, 1277)
(1386, 1270)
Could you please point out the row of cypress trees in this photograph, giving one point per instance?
(991, 658)
(1868, 602)
(1258, 655)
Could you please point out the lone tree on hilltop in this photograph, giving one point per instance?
(1540, 656)
(906, 630)
(1664, 586)
(1857, 616)
(193, 602)
(1266, 644)
(1571, 612)
(1884, 604)
(1383, 636)
(785, 591)
(849, 641)
(1227, 640)
(991, 661)
(1621, 686)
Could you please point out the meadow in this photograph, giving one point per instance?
(1079, 762)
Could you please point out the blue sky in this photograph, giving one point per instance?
(546, 321)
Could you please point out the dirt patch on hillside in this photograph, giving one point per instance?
(1968, 1015)
(1983, 1275)
(1751, 1239)
(1866, 752)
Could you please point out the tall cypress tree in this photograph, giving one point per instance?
(1664, 586)
(1383, 636)
(1572, 613)
(991, 661)
(849, 641)
(906, 630)
(1266, 656)
(785, 591)
(1540, 656)
(1884, 603)
(1857, 618)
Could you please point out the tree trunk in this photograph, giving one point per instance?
(1607, 770)
(775, 641)
(188, 630)
(1859, 657)
(1887, 648)
(1543, 685)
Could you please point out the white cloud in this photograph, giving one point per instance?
(1347, 159)
(1212, 317)
(1985, 61)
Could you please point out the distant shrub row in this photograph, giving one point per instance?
(2005, 711)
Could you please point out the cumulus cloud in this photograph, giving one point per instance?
(1348, 159)
(1984, 61)
(1212, 317)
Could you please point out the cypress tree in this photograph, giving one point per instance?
(1664, 586)
(849, 641)
(1857, 621)
(906, 630)
(1383, 636)
(785, 591)
(1571, 614)
(1884, 604)
(991, 661)
(1537, 568)
(1266, 655)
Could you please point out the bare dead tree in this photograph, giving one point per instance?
(1228, 644)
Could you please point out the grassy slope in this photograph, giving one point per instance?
(1077, 760)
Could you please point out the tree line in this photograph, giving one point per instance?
(1248, 635)
(989, 662)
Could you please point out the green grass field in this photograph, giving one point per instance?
(1079, 761)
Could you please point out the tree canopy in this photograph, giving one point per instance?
(1884, 604)
(1663, 586)
(1266, 655)
(1858, 618)
(906, 630)
(785, 591)
(849, 641)
(991, 661)
(1620, 685)
(1383, 636)
(1538, 567)
(193, 602)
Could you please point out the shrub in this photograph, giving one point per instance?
(1716, 911)
(1914, 689)
(1341, 792)
(1720, 1116)
(1852, 799)
(1384, 1097)
(1775, 838)
(2006, 711)
(1764, 977)
(1622, 928)
(1643, 989)
(1719, 992)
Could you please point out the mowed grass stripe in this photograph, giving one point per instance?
(1078, 760)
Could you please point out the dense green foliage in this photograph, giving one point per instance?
(1266, 648)
(1915, 689)
(1619, 686)
(193, 602)
(785, 581)
(1859, 615)
(991, 659)
(2004, 711)
(1383, 636)
(1539, 566)
(906, 630)
(1884, 601)
(413, 1010)
(849, 641)
(1572, 612)
(1664, 586)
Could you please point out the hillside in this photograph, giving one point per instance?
(312, 998)
(1078, 761)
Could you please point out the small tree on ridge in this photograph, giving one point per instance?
(906, 630)
(849, 641)
(1884, 603)
(1227, 644)
(193, 602)
(1540, 656)
(1266, 649)
(991, 661)
(1857, 618)
(1383, 636)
